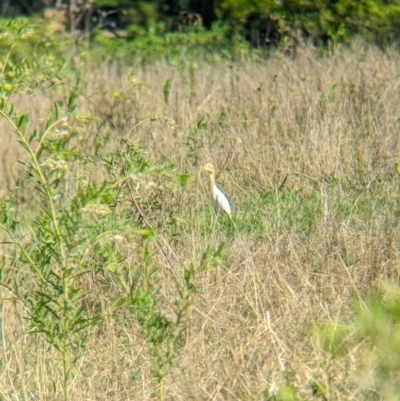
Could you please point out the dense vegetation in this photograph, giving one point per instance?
(118, 281)
(262, 22)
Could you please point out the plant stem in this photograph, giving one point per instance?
(60, 241)
(162, 395)
(65, 374)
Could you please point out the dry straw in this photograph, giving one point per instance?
(302, 253)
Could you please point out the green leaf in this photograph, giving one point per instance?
(166, 90)
(71, 100)
(184, 179)
(83, 117)
(148, 234)
(118, 303)
(20, 119)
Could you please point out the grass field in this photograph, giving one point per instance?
(134, 290)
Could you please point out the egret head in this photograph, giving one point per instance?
(208, 168)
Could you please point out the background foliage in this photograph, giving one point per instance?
(260, 21)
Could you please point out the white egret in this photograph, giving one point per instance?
(218, 198)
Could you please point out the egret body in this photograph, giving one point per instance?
(218, 198)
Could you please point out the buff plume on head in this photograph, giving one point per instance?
(218, 198)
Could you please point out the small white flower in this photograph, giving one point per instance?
(55, 164)
(117, 238)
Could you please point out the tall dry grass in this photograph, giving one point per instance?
(322, 129)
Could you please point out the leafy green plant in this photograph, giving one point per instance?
(28, 41)
(195, 142)
(166, 90)
(51, 255)
(375, 328)
(337, 21)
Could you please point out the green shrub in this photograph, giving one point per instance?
(375, 329)
(324, 20)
